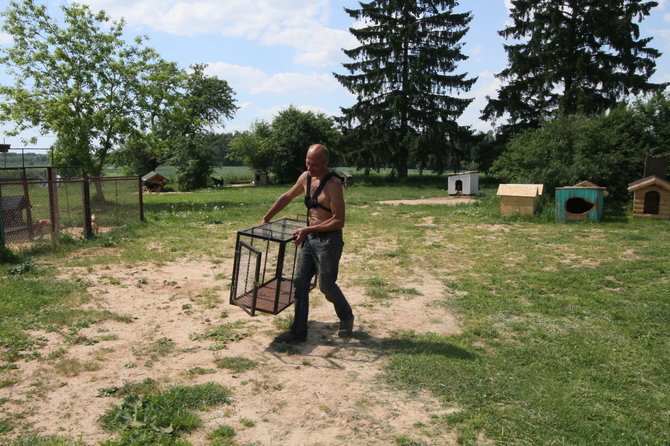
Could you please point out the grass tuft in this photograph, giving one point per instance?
(161, 418)
(235, 364)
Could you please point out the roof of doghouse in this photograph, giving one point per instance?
(520, 190)
(153, 176)
(652, 180)
(587, 185)
(463, 173)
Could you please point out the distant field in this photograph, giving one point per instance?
(230, 174)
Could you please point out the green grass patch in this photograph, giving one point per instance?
(161, 418)
(235, 364)
(223, 334)
(563, 339)
(72, 366)
(222, 436)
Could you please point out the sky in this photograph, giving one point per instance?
(281, 53)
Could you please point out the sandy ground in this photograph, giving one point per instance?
(452, 199)
(326, 392)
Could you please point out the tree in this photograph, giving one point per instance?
(401, 75)
(149, 144)
(279, 148)
(204, 103)
(254, 147)
(572, 56)
(76, 80)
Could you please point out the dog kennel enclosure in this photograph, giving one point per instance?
(265, 261)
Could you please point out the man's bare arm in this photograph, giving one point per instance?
(284, 199)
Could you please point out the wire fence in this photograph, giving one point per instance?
(37, 204)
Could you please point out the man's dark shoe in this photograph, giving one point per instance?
(288, 338)
(346, 328)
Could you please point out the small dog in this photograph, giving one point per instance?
(94, 225)
(42, 227)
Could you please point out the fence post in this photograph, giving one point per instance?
(2, 222)
(139, 180)
(52, 179)
(88, 227)
(29, 211)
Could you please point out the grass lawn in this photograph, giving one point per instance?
(565, 327)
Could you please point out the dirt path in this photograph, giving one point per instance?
(327, 391)
(450, 200)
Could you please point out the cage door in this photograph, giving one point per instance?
(246, 273)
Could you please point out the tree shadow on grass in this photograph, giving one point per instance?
(426, 344)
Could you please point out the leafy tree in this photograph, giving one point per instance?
(205, 103)
(78, 79)
(254, 147)
(401, 75)
(279, 148)
(572, 56)
(607, 149)
(149, 144)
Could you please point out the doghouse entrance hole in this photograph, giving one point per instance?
(652, 202)
(578, 205)
(459, 187)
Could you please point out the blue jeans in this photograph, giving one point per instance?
(320, 254)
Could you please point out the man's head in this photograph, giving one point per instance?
(317, 160)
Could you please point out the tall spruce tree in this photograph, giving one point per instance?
(401, 75)
(572, 56)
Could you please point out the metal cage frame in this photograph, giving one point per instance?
(257, 285)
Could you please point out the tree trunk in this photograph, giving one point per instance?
(401, 162)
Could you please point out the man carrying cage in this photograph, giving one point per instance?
(321, 242)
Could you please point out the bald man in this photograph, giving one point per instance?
(321, 242)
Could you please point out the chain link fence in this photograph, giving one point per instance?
(37, 203)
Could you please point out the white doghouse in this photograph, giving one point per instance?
(466, 183)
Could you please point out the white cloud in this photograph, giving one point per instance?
(300, 24)
(256, 81)
(244, 105)
(486, 85)
(5, 39)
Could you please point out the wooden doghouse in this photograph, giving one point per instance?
(154, 181)
(519, 199)
(260, 179)
(466, 183)
(583, 201)
(651, 197)
(13, 208)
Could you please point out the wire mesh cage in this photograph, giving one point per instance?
(36, 203)
(264, 266)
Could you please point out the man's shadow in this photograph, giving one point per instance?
(366, 348)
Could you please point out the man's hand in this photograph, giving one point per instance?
(300, 235)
